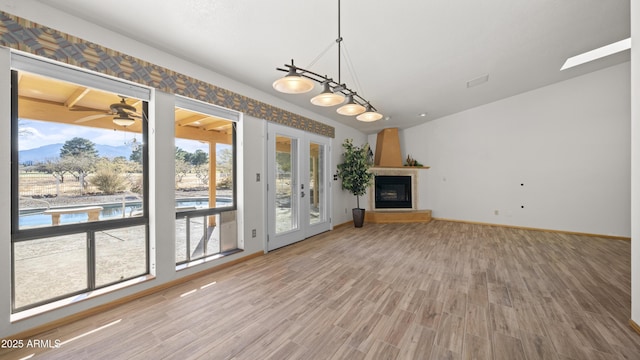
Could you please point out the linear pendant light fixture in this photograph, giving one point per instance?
(300, 81)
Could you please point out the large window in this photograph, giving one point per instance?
(205, 180)
(79, 182)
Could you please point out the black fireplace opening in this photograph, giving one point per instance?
(393, 192)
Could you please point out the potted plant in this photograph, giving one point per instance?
(355, 175)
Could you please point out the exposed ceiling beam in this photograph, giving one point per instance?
(190, 133)
(76, 96)
(218, 124)
(191, 119)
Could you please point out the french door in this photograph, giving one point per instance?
(297, 186)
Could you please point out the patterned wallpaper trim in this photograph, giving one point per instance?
(24, 35)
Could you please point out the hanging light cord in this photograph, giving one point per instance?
(352, 70)
(321, 55)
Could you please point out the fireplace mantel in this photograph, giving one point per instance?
(374, 168)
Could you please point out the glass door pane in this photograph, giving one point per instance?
(286, 184)
(316, 175)
(316, 183)
(284, 187)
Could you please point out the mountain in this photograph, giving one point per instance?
(52, 151)
(39, 154)
(113, 151)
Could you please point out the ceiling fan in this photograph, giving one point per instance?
(125, 114)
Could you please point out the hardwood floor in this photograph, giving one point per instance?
(440, 290)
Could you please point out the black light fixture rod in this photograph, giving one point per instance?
(339, 41)
(322, 79)
(304, 72)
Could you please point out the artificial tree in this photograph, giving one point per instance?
(355, 175)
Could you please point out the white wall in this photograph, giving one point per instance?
(5, 192)
(635, 165)
(252, 199)
(568, 143)
(251, 141)
(343, 201)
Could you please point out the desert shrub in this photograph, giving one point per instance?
(108, 179)
(225, 183)
(136, 185)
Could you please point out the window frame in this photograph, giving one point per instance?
(22, 63)
(234, 117)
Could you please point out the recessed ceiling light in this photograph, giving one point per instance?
(422, 114)
(598, 53)
(387, 118)
(477, 81)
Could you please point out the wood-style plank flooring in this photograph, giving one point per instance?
(440, 290)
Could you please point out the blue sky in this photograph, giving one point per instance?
(40, 133)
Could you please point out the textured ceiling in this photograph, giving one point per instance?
(410, 57)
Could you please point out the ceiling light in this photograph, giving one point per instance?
(422, 114)
(369, 115)
(598, 53)
(327, 97)
(123, 120)
(299, 80)
(293, 82)
(351, 108)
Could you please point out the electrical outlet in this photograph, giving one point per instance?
(496, 212)
(253, 233)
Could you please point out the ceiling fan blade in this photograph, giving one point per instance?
(83, 108)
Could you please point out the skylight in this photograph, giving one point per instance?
(597, 53)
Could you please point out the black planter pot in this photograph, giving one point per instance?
(358, 217)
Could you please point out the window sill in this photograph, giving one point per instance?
(25, 314)
(206, 259)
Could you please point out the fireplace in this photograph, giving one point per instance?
(393, 192)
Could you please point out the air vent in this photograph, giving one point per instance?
(477, 81)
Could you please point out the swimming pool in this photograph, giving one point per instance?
(30, 218)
